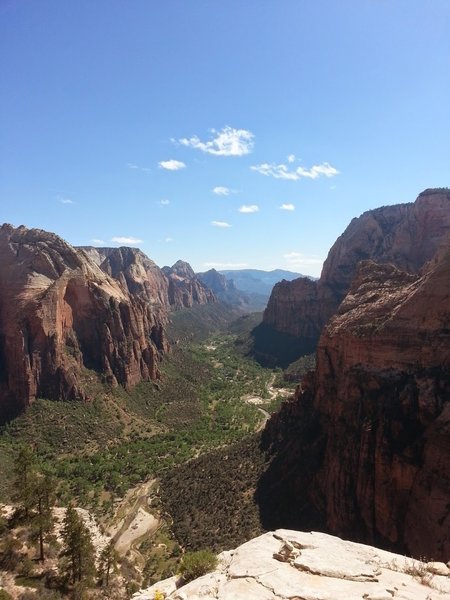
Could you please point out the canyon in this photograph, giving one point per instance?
(68, 315)
(363, 448)
(405, 235)
(360, 451)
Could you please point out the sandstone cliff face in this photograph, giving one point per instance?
(174, 287)
(405, 235)
(60, 312)
(185, 289)
(364, 449)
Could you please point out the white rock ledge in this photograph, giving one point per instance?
(293, 565)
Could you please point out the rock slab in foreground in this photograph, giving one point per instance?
(293, 565)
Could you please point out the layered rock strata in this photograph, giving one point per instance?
(287, 564)
(175, 287)
(185, 288)
(405, 235)
(363, 450)
(59, 312)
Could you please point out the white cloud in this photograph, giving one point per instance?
(171, 165)
(282, 171)
(248, 208)
(217, 265)
(222, 224)
(287, 207)
(98, 242)
(227, 142)
(291, 158)
(65, 200)
(221, 190)
(164, 202)
(168, 239)
(126, 240)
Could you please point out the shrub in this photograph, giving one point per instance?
(4, 595)
(196, 564)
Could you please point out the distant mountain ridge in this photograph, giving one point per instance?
(248, 290)
(258, 281)
(225, 290)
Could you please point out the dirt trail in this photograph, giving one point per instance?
(273, 393)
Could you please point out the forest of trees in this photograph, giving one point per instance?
(29, 543)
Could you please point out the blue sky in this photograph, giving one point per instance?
(237, 133)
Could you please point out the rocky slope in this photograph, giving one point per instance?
(59, 312)
(405, 235)
(293, 565)
(363, 450)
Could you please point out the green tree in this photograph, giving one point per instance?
(108, 558)
(24, 470)
(42, 520)
(78, 550)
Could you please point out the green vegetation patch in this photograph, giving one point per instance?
(196, 564)
(210, 500)
(98, 450)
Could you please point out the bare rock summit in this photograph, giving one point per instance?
(294, 565)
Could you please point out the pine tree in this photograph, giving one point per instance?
(24, 469)
(78, 548)
(42, 521)
(108, 558)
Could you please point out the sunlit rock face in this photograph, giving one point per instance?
(363, 450)
(313, 566)
(185, 289)
(61, 314)
(405, 235)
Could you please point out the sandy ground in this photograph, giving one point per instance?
(142, 523)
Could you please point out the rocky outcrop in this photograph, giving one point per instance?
(363, 450)
(185, 289)
(287, 564)
(405, 235)
(60, 314)
(175, 287)
(224, 289)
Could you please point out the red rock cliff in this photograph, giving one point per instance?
(364, 450)
(60, 312)
(185, 289)
(175, 287)
(405, 235)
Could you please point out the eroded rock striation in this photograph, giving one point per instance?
(185, 288)
(60, 313)
(363, 450)
(287, 564)
(405, 235)
(66, 309)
